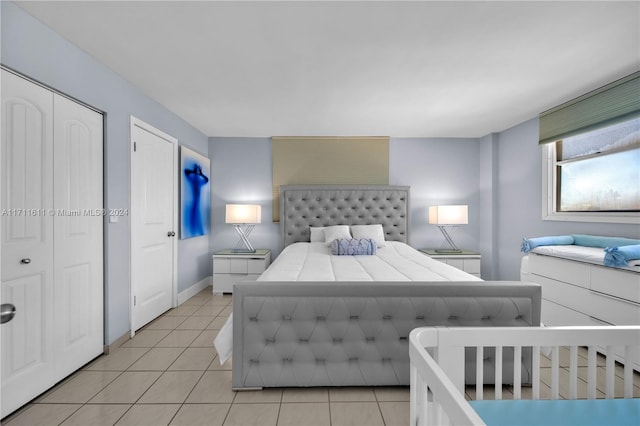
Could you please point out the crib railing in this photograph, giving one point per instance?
(437, 365)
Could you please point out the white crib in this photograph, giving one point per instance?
(437, 374)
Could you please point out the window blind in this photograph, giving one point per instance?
(602, 107)
(328, 160)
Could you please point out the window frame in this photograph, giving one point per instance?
(549, 197)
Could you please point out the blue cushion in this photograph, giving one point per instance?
(353, 247)
(599, 241)
(559, 412)
(619, 256)
(529, 244)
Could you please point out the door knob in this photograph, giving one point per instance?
(25, 261)
(7, 312)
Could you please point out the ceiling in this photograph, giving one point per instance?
(403, 69)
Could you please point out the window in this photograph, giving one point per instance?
(594, 176)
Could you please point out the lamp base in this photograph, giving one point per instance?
(242, 250)
(445, 251)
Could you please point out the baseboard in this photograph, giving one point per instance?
(117, 343)
(194, 289)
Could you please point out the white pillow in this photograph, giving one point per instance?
(334, 232)
(317, 234)
(374, 232)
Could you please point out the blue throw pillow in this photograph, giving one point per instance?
(353, 247)
(529, 244)
(599, 241)
(620, 256)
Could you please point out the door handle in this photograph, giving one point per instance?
(171, 234)
(25, 261)
(7, 312)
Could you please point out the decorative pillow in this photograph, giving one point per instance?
(529, 244)
(353, 247)
(621, 255)
(317, 234)
(374, 232)
(334, 232)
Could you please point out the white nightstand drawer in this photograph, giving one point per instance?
(472, 266)
(221, 266)
(256, 266)
(238, 266)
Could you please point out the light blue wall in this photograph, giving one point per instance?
(438, 171)
(241, 174)
(36, 51)
(520, 200)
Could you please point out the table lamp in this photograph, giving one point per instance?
(243, 217)
(447, 218)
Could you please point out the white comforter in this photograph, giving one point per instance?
(394, 262)
(313, 262)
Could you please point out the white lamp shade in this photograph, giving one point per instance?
(243, 213)
(449, 215)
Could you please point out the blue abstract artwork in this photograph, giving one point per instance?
(196, 194)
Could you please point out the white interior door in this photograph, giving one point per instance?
(78, 225)
(27, 240)
(153, 222)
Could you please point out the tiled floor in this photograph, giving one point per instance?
(169, 374)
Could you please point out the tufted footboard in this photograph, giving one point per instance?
(356, 333)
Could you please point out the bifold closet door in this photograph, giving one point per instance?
(52, 242)
(27, 240)
(78, 250)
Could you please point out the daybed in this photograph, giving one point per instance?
(578, 289)
(311, 320)
(438, 386)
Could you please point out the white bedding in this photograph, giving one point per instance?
(395, 261)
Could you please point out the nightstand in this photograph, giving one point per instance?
(466, 260)
(230, 268)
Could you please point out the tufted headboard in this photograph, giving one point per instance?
(302, 206)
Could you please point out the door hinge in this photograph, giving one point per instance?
(135, 147)
(134, 301)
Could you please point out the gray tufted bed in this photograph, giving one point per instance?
(353, 333)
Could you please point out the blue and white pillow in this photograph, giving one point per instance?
(353, 247)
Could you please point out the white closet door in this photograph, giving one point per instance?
(78, 224)
(27, 240)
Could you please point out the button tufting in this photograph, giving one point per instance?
(386, 317)
(353, 317)
(286, 317)
(254, 319)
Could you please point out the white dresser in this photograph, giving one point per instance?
(466, 260)
(580, 293)
(230, 268)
